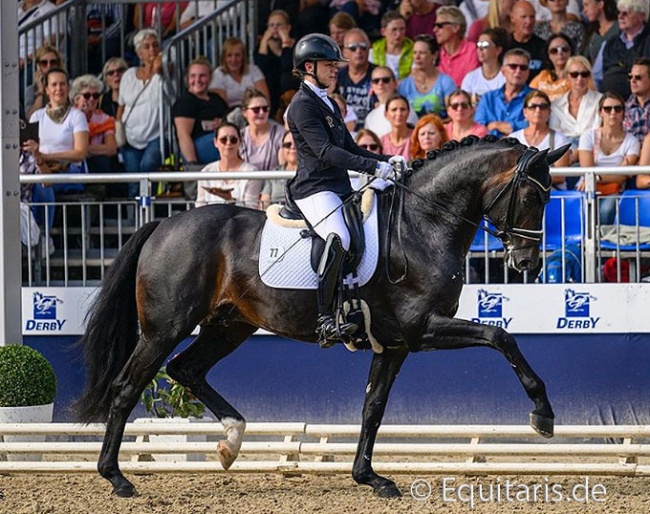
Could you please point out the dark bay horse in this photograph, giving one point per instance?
(201, 268)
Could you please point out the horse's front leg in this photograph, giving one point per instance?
(452, 334)
(383, 370)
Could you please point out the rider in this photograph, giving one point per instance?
(326, 151)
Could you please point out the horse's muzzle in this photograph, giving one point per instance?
(522, 258)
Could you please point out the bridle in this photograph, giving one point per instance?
(514, 184)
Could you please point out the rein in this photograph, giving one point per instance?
(514, 183)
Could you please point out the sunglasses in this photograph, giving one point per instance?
(372, 147)
(441, 24)
(576, 74)
(46, 62)
(353, 47)
(88, 96)
(636, 77)
(110, 73)
(459, 105)
(259, 108)
(482, 45)
(616, 108)
(233, 140)
(382, 80)
(559, 50)
(541, 107)
(288, 145)
(513, 66)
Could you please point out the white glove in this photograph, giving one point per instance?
(384, 171)
(399, 164)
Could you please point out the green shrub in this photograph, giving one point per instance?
(166, 398)
(26, 377)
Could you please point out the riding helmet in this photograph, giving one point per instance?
(315, 47)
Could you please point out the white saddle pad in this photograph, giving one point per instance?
(285, 256)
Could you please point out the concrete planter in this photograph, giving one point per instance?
(172, 439)
(32, 414)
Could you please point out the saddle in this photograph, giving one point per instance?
(353, 216)
(351, 308)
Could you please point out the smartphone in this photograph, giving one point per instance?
(28, 131)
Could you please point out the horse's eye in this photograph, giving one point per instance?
(528, 201)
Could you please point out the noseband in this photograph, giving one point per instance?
(505, 235)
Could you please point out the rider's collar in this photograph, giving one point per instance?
(322, 93)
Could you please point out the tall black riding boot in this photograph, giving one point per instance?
(328, 329)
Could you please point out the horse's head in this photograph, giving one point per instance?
(516, 207)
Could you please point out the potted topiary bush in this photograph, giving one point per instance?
(27, 391)
(170, 402)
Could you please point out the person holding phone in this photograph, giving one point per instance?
(227, 140)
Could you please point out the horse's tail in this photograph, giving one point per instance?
(111, 329)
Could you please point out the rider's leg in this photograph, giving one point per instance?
(327, 220)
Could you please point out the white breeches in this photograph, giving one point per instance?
(321, 211)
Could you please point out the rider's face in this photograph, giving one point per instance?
(327, 71)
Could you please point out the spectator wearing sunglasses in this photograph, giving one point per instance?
(537, 110)
(637, 106)
(608, 146)
(576, 112)
(429, 134)
(261, 138)
(487, 77)
(618, 53)
(394, 49)
(560, 23)
(273, 190)
(47, 57)
(457, 55)
(502, 110)
(383, 85)
(523, 36)
(227, 140)
(460, 111)
(353, 80)
(112, 72)
(85, 94)
(553, 79)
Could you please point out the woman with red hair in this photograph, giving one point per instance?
(429, 134)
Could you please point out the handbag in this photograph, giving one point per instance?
(120, 126)
(120, 133)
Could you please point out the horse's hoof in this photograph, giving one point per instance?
(388, 490)
(125, 491)
(541, 424)
(227, 454)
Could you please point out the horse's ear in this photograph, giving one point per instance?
(557, 154)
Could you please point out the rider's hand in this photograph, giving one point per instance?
(384, 170)
(399, 164)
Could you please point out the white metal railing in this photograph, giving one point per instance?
(315, 448)
(146, 206)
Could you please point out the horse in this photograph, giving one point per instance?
(200, 267)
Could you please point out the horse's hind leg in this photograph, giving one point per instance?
(190, 368)
(451, 334)
(141, 368)
(383, 371)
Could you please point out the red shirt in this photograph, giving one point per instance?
(461, 63)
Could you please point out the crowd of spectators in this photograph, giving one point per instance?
(419, 73)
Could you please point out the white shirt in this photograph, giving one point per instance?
(377, 122)
(235, 90)
(239, 187)
(629, 146)
(587, 119)
(141, 113)
(195, 10)
(477, 85)
(320, 93)
(58, 137)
